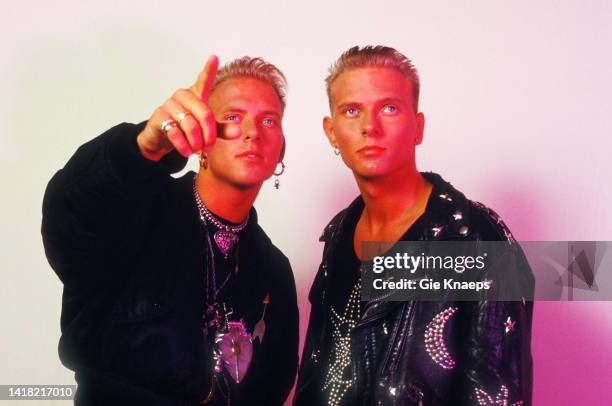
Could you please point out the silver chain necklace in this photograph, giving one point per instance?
(225, 236)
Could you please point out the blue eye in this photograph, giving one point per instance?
(232, 117)
(389, 108)
(350, 112)
(269, 122)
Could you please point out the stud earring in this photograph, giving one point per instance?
(336, 150)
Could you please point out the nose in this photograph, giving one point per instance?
(370, 125)
(251, 129)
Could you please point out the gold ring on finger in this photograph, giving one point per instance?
(168, 124)
(182, 116)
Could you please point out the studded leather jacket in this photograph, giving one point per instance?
(485, 358)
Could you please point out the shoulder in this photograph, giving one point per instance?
(337, 221)
(332, 225)
(488, 223)
(454, 213)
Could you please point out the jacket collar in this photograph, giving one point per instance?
(445, 216)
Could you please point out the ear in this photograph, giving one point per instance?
(282, 153)
(420, 122)
(328, 127)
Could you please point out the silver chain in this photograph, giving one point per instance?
(206, 214)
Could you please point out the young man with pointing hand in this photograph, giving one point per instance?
(173, 294)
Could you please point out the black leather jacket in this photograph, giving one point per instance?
(391, 364)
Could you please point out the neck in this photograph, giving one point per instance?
(388, 199)
(225, 200)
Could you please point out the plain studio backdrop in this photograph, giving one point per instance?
(517, 98)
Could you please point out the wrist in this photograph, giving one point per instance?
(147, 151)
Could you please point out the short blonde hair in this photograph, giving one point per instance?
(256, 68)
(375, 56)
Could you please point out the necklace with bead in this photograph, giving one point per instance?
(226, 235)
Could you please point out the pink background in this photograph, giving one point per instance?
(517, 98)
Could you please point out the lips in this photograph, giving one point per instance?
(250, 155)
(371, 149)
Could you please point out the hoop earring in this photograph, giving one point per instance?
(277, 174)
(336, 151)
(203, 160)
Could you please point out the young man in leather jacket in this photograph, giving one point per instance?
(379, 352)
(173, 294)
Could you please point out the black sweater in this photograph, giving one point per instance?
(126, 240)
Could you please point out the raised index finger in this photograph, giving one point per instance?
(206, 78)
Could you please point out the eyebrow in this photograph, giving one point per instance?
(270, 113)
(347, 104)
(243, 111)
(391, 99)
(384, 100)
(233, 109)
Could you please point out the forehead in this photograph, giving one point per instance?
(368, 84)
(245, 93)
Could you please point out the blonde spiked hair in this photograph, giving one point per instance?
(375, 56)
(258, 68)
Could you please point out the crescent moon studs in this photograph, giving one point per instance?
(434, 339)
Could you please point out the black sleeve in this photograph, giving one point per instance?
(91, 197)
(286, 336)
(499, 367)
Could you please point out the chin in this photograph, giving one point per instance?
(370, 171)
(248, 182)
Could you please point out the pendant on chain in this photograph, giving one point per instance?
(225, 240)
